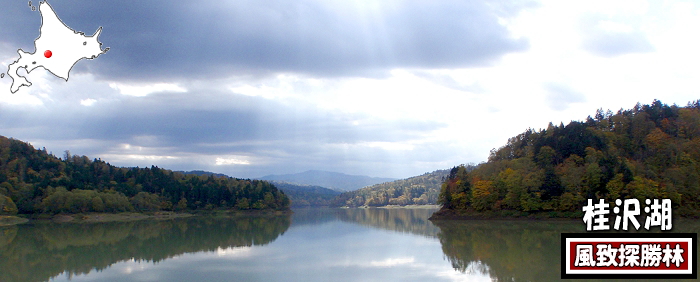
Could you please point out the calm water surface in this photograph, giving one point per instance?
(310, 245)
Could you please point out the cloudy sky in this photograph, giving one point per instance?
(389, 88)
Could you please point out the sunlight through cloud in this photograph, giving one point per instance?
(231, 161)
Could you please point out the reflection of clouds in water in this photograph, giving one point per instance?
(386, 255)
(392, 262)
(142, 270)
(432, 270)
(116, 272)
(131, 266)
(234, 252)
(319, 248)
(478, 268)
(417, 269)
(438, 271)
(456, 276)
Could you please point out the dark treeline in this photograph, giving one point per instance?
(38, 252)
(649, 151)
(307, 195)
(417, 190)
(34, 181)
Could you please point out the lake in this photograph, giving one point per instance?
(310, 245)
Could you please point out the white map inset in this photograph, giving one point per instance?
(66, 47)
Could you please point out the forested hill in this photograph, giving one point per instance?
(649, 151)
(307, 195)
(417, 190)
(299, 195)
(204, 173)
(34, 181)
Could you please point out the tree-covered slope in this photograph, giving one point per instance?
(34, 181)
(204, 173)
(307, 195)
(649, 151)
(417, 190)
(298, 194)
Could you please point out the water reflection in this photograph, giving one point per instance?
(404, 220)
(311, 245)
(505, 250)
(40, 251)
(514, 250)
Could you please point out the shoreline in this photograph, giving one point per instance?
(9, 220)
(128, 216)
(113, 217)
(448, 214)
(409, 207)
(394, 207)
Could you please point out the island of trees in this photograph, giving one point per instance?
(34, 181)
(649, 151)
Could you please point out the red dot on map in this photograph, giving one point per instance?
(47, 53)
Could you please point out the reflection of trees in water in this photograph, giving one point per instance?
(407, 220)
(313, 216)
(514, 250)
(41, 251)
(414, 221)
(505, 250)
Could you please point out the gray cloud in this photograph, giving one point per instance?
(279, 137)
(560, 96)
(183, 39)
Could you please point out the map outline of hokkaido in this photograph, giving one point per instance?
(67, 47)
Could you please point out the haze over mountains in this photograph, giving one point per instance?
(333, 180)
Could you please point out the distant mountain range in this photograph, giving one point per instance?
(333, 180)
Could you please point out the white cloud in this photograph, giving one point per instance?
(611, 26)
(231, 161)
(20, 99)
(127, 157)
(389, 262)
(88, 102)
(141, 90)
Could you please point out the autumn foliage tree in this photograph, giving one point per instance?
(649, 151)
(35, 181)
(419, 190)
